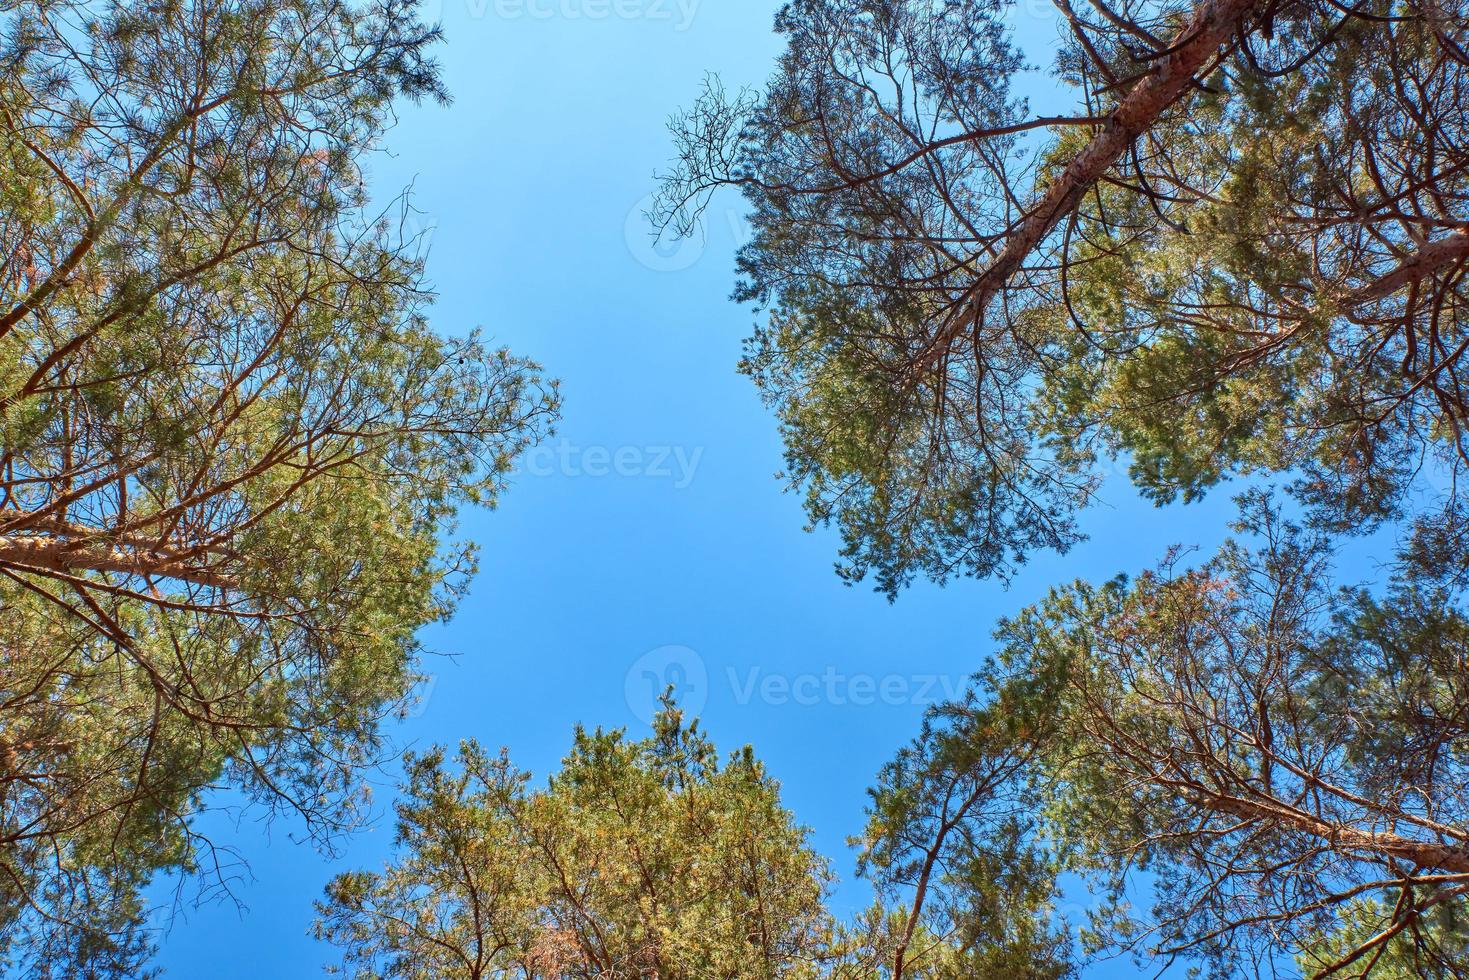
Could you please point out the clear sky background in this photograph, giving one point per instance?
(653, 519)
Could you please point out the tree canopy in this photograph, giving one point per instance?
(1241, 251)
(1279, 762)
(230, 445)
(232, 454)
(638, 858)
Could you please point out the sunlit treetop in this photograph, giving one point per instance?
(231, 447)
(1242, 250)
(1241, 767)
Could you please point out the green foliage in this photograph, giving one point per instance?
(977, 874)
(1436, 948)
(231, 448)
(1228, 341)
(637, 857)
(1268, 280)
(1259, 750)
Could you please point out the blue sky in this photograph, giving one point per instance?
(649, 540)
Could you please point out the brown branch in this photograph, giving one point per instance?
(24, 552)
(1422, 854)
(1212, 25)
(1413, 268)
